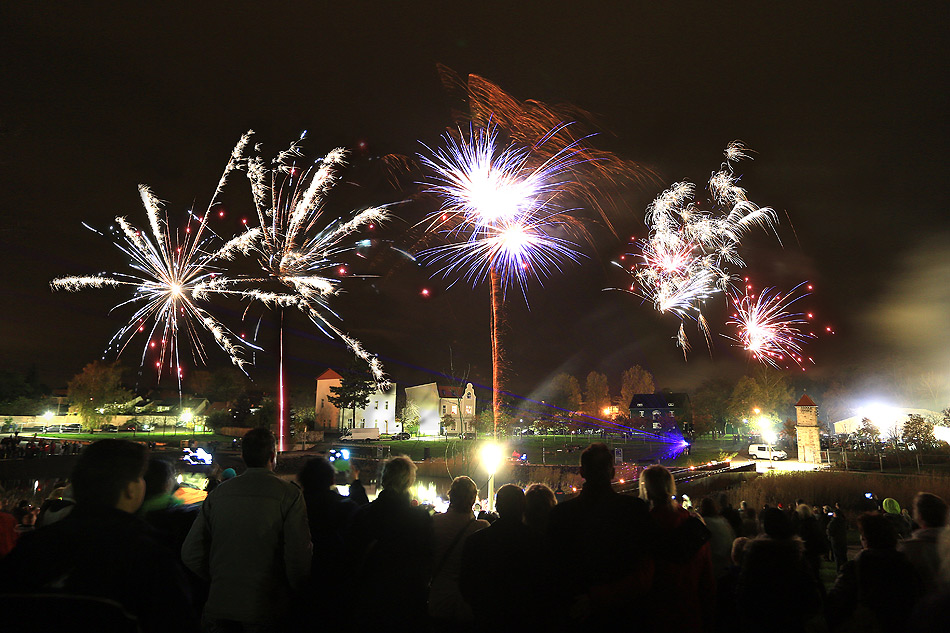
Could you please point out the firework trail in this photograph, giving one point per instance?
(692, 244)
(296, 244)
(766, 327)
(168, 267)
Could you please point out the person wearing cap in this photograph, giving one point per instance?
(892, 512)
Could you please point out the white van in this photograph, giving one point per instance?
(360, 435)
(761, 451)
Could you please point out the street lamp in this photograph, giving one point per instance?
(769, 437)
(491, 459)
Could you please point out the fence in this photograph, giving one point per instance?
(904, 462)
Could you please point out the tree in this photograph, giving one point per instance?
(633, 381)
(711, 405)
(767, 390)
(596, 394)
(354, 391)
(564, 393)
(867, 432)
(919, 431)
(97, 393)
(227, 385)
(410, 419)
(790, 430)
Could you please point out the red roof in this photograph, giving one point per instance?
(450, 392)
(806, 401)
(329, 375)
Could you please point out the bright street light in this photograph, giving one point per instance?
(491, 460)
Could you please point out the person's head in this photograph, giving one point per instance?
(509, 501)
(804, 511)
(538, 502)
(317, 474)
(597, 464)
(724, 502)
(657, 486)
(738, 550)
(228, 473)
(891, 506)
(930, 511)
(259, 448)
(743, 505)
(775, 524)
(707, 507)
(399, 473)
(462, 494)
(111, 473)
(159, 478)
(876, 531)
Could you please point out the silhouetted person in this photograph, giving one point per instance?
(390, 546)
(161, 508)
(728, 611)
(447, 608)
(721, 536)
(930, 513)
(814, 538)
(730, 514)
(775, 577)
(102, 550)
(837, 532)
(328, 514)
(539, 500)
(683, 581)
(501, 575)
(602, 581)
(878, 589)
(252, 542)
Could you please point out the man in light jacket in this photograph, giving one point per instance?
(252, 541)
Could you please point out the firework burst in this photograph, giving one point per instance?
(692, 244)
(297, 244)
(767, 328)
(167, 269)
(499, 212)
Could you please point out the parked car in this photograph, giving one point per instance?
(109, 428)
(360, 435)
(762, 451)
(468, 435)
(137, 426)
(400, 436)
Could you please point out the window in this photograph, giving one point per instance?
(455, 409)
(468, 410)
(377, 404)
(443, 409)
(387, 405)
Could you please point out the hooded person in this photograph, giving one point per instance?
(892, 512)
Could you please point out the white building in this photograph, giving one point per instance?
(380, 411)
(434, 402)
(889, 421)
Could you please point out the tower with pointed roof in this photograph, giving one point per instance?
(809, 444)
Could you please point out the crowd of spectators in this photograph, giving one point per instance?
(16, 447)
(262, 553)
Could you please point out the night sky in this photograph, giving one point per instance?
(842, 103)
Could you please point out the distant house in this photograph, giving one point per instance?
(380, 411)
(434, 402)
(658, 407)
